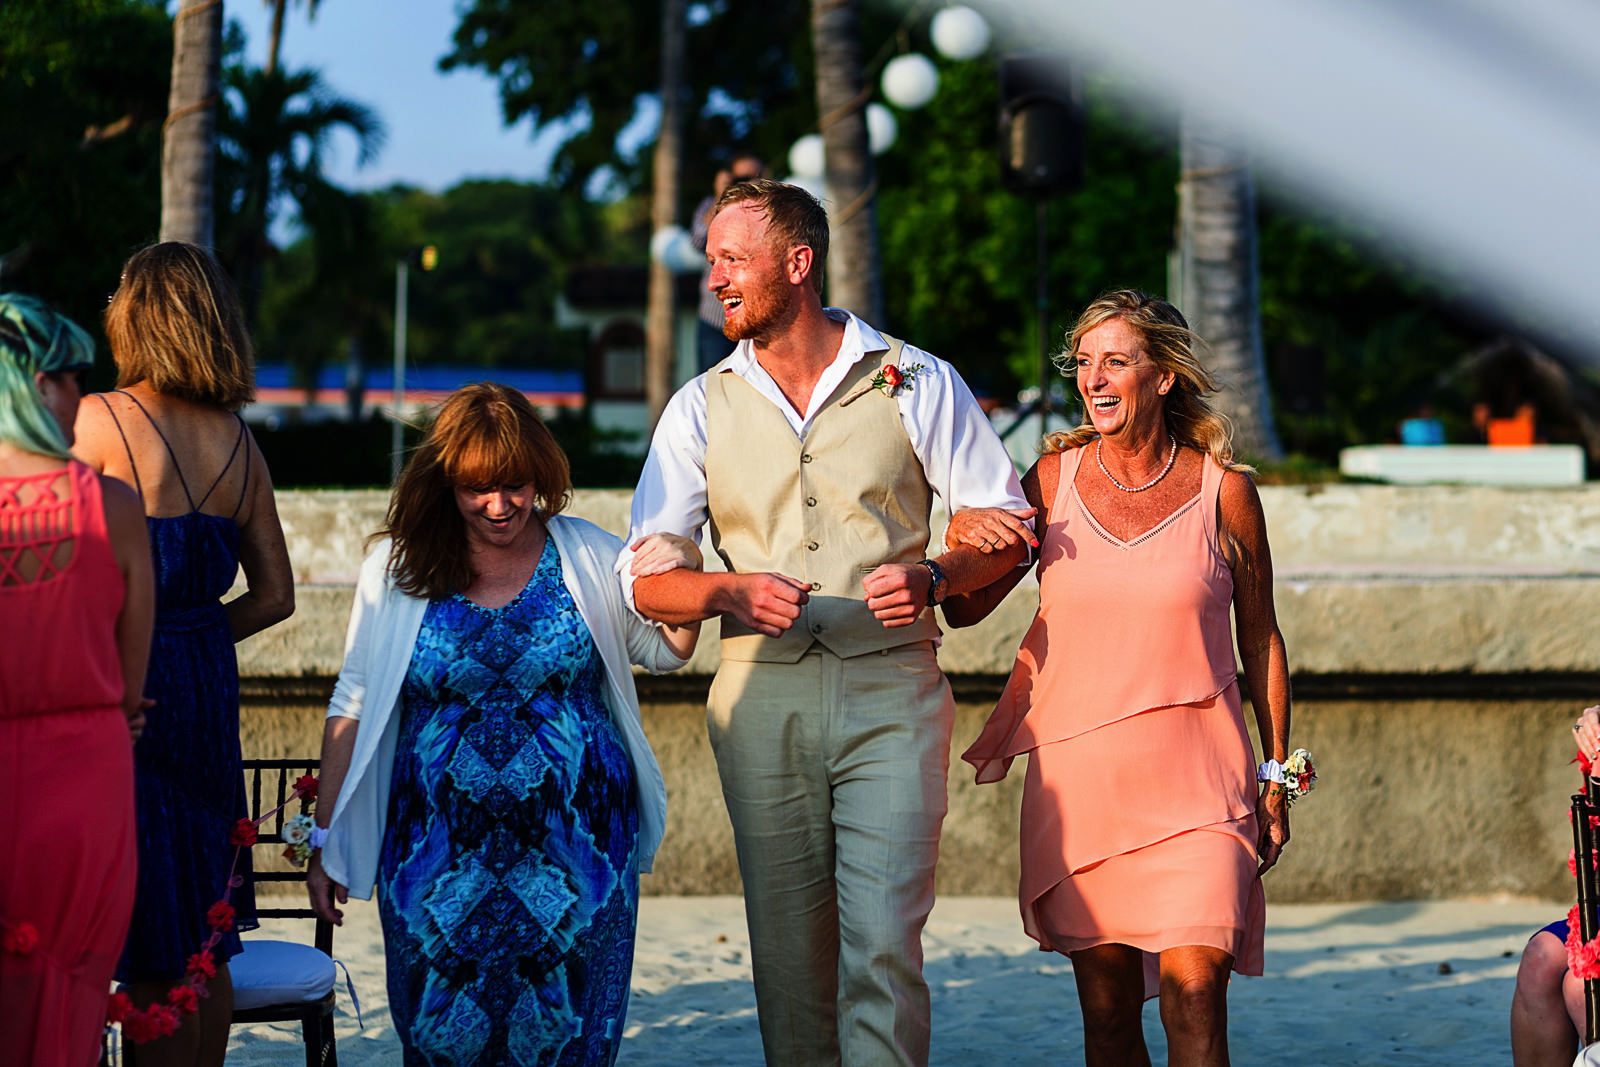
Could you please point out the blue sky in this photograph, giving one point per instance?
(442, 128)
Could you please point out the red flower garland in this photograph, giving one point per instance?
(140, 1025)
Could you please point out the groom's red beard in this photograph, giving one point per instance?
(766, 310)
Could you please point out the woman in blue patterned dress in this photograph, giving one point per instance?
(483, 763)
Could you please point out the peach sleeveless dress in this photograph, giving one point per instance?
(1138, 809)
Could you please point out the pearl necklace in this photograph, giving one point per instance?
(1172, 455)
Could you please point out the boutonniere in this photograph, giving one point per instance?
(889, 380)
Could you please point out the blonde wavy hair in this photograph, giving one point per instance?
(1170, 344)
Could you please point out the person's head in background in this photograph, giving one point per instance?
(742, 168)
(44, 368)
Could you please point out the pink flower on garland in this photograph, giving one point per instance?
(1583, 958)
(20, 938)
(184, 998)
(220, 916)
(306, 786)
(203, 965)
(118, 1007)
(243, 834)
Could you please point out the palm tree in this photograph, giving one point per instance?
(189, 138)
(1219, 279)
(274, 134)
(275, 42)
(854, 279)
(659, 338)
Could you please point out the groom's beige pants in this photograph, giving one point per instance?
(834, 775)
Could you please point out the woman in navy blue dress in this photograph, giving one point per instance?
(484, 765)
(172, 431)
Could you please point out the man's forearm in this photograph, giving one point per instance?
(968, 569)
(679, 596)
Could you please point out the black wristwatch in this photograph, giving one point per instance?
(939, 588)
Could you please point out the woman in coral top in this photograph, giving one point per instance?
(76, 601)
(1144, 834)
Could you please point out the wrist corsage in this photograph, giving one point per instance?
(890, 379)
(1297, 774)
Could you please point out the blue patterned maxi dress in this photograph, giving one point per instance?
(508, 883)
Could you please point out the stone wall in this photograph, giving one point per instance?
(1441, 639)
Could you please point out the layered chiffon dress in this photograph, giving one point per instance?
(1138, 809)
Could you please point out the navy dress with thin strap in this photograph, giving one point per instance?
(188, 782)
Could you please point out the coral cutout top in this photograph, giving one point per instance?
(60, 595)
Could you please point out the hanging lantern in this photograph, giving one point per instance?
(673, 248)
(909, 81)
(959, 33)
(881, 128)
(815, 186)
(806, 157)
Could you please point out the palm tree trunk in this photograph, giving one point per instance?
(660, 327)
(189, 138)
(854, 278)
(275, 41)
(1220, 277)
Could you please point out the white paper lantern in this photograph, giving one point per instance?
(909, 81)
(806, 158)
(673, 248)
(815, 186)
(881, 128)
(959, 33)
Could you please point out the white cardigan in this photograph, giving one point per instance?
(384, 623)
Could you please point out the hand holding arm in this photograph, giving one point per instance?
(662, 552)
(990, 529)
(969, 607)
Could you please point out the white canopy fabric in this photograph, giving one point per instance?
(1465, 132)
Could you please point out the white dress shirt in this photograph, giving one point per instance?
(963, 459)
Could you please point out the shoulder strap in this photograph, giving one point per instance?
(157, 427)
(245, 488)
(236, 441)
(1211, 473)
(137, 485)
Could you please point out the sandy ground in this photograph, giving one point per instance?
(1425, 982)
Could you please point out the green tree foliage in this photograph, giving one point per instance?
(588, 68)
(960, 253)
(272, 138)
(83, 90)
(504, 248)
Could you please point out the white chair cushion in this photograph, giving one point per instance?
(279, 972)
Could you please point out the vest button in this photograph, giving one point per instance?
(815, 586)
(816, 628)
(811, 501)
(805, 457)
(811, 546)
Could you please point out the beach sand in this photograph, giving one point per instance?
(1423, 982)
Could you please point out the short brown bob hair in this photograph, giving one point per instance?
(175, 324)
(794, 217)
(486, 434)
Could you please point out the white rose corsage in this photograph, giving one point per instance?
(1297, 774)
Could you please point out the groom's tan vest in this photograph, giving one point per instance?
(826, 508)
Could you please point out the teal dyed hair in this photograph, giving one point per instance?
(34, 338)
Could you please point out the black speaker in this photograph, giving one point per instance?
(1041, 124)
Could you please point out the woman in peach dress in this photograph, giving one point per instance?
(1144, 832)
